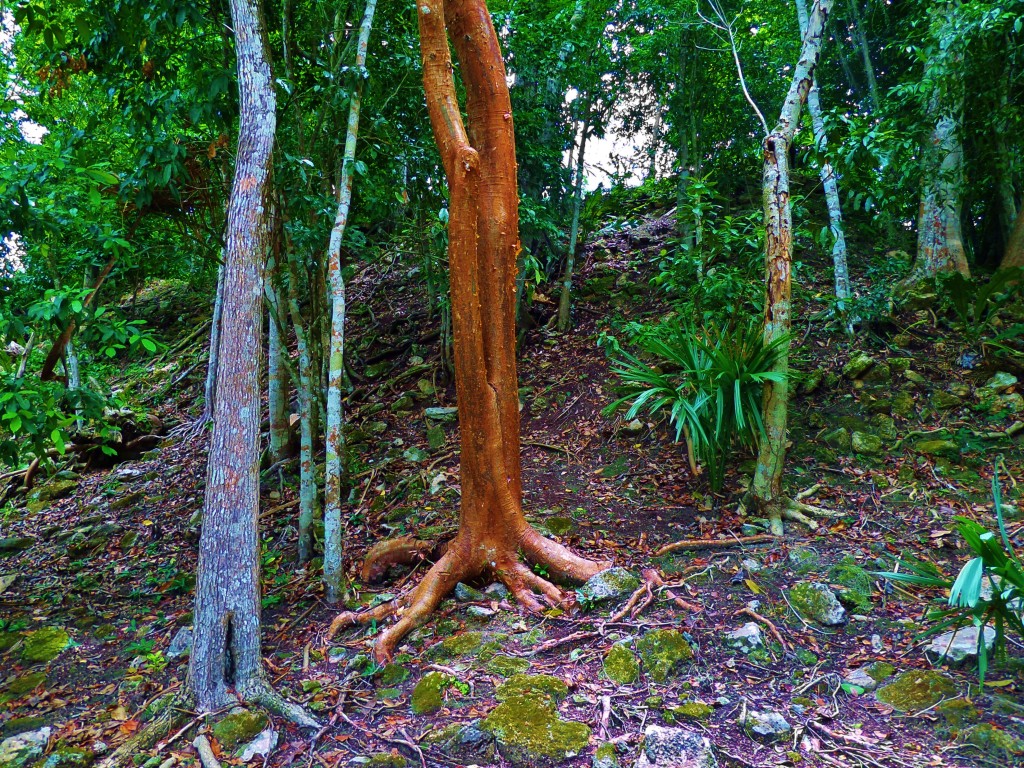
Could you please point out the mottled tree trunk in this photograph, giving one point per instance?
(210, 391)
(830, 182)
(940, 247)
(226, 648)
(335, 437)
(1014, 254)
(767, 484)
(483, 243)
(565, 300)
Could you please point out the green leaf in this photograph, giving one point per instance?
(58, 441)
(967, 588)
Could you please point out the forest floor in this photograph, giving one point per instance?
(107, 558)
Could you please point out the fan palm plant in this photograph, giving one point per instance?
(712, 392)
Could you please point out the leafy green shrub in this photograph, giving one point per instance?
(708, 381)
(977, 305)
(994, 557)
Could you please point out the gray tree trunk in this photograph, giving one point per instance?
(210, 392)
(226, 648)
(862, 45)
(565, 301)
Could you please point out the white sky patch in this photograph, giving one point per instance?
(32, 132)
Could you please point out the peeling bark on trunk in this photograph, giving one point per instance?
(767, 484)
(335, 437)
(483, 244)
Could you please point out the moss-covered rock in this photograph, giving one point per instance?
(20, 750)
(947, 449)
(21, 686)
(915, 690)
(662, 652)
(838, 438)
(608, 586)
(386, 760)
(995, 742)
(803, 559)
(21, 725)
(428, 695)
(45, 644)
(547, 687)
(15, 545)
(858, 364)
(239, 727)
(506, 666)
(465, 742)
(621, 665)
(690, 711)
(903, 405)
(464, 644)
(392, 675)
(68, 757)
(866, 443)
(957, 714)
(859, 585)
(530, 734)
(880, 670)
(605, 756)
(816, 601)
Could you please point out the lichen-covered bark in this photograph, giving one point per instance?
(335, 438)
(940, 247)
(767, 484)
(210, 390)
(277, 370)
(226, 648)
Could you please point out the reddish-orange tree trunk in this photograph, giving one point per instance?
(483, 235)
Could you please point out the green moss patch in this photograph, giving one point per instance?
(691, 711)
(465, 644)
(662, 652)
(859, 585)
(392, 675)
(620, 665)
(547, 687)
(238, 728)
(915, 690)
(995, 742)
(605, 756)
(68, 757)
(506, 666)
(530, 734)
(387, 760)
(23, 685)
(428, 695)
(45, 644)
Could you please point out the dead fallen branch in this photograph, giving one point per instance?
(763, 538)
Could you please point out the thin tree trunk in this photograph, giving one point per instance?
(74, 376)
(483, 242)
(940, 247)
(210, 391)
(564, 303)
(767, 484)
(308, 496)
(23, 365)
(830, 182)
(226, 648)
(862, 44)
(335, 438)
(277, 370)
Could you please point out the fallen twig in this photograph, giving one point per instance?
(762, 538)
(771, 627)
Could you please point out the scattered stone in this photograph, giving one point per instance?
(443, 415)
(945, 401)
(995, 742)
(605, 756)
(466, 743)
(633, 427)
(530, 734)
(870, 676)
(866, 444)
(858, 365)
(960, 647)
(745, 639)
(262, 745)
(885, 425)
(803, 559)
(480, 612)
(428, 695)
(127, 501)
(915, 690)
(497, 591)
(751, 565)
(838, 438)
(915, 378)
(766, 726)
(551, 689)
(675, 748)
(18, 725)
(53, 490)
(608, 586)
(6, 579)
(238, 727)
(903, 404)
(816, 601)
(876, 643)
(999, 384)
(45, 644)
(621, 665)
(181, 643)
(24, 748)
(15, 544)
(466, 594)
(662, 652)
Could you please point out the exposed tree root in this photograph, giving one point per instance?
(402, 551)
(797, 511)
(533, 592)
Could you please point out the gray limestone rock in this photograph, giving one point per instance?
(675, 748)
(746, 639)
(958, 648)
